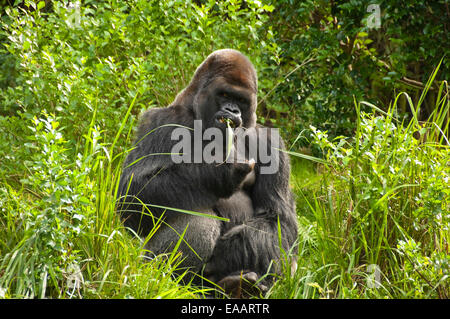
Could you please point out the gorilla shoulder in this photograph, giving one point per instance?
(159, 116)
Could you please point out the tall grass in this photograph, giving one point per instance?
(373, 216)
(61, 236)
(376, 224)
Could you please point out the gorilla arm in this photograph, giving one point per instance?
(151, 176)
(253, 245)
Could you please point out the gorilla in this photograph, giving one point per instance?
(255, 208)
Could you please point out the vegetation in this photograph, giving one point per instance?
(364, 110)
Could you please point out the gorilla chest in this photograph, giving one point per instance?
(238, 207)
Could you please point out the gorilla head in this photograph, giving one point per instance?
(223, 87)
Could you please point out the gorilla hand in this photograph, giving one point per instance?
(237, 174)
(243, 285)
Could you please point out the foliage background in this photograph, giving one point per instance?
(76, 75)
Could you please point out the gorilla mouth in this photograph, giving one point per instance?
(227, 121)
(232, 122)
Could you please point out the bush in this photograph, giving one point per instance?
(48, 227)
(384, 201)
(74, 59)
(350, 58)
(65, 240)
(77, 74)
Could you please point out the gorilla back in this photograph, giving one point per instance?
(222, 95)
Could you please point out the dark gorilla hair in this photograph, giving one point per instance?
(223, 90)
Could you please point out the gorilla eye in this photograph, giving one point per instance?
(224, 94)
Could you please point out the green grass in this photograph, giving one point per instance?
(61, 236)
(374, 223)
(378, 200)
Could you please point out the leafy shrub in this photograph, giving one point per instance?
(65, 240)
(352, 59)
(77, 59)
(427, 275)
(75, 75)
(390, 201)
(51, 224)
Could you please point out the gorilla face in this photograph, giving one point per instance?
(224, 90)
(230, 105)
(224, 103)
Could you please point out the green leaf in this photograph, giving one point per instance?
(308, 157)
(26, 45)
(40, 5)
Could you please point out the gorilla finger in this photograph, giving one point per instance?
(241, 170)
(252, 163)
(251, 277)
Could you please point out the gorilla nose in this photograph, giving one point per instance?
(232, 108)
(229, 114)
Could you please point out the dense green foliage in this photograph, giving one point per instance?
(75, 77)
(351, 58)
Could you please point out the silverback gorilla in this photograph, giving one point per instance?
(257, 205)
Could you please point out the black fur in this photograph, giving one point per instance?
(250, 241)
